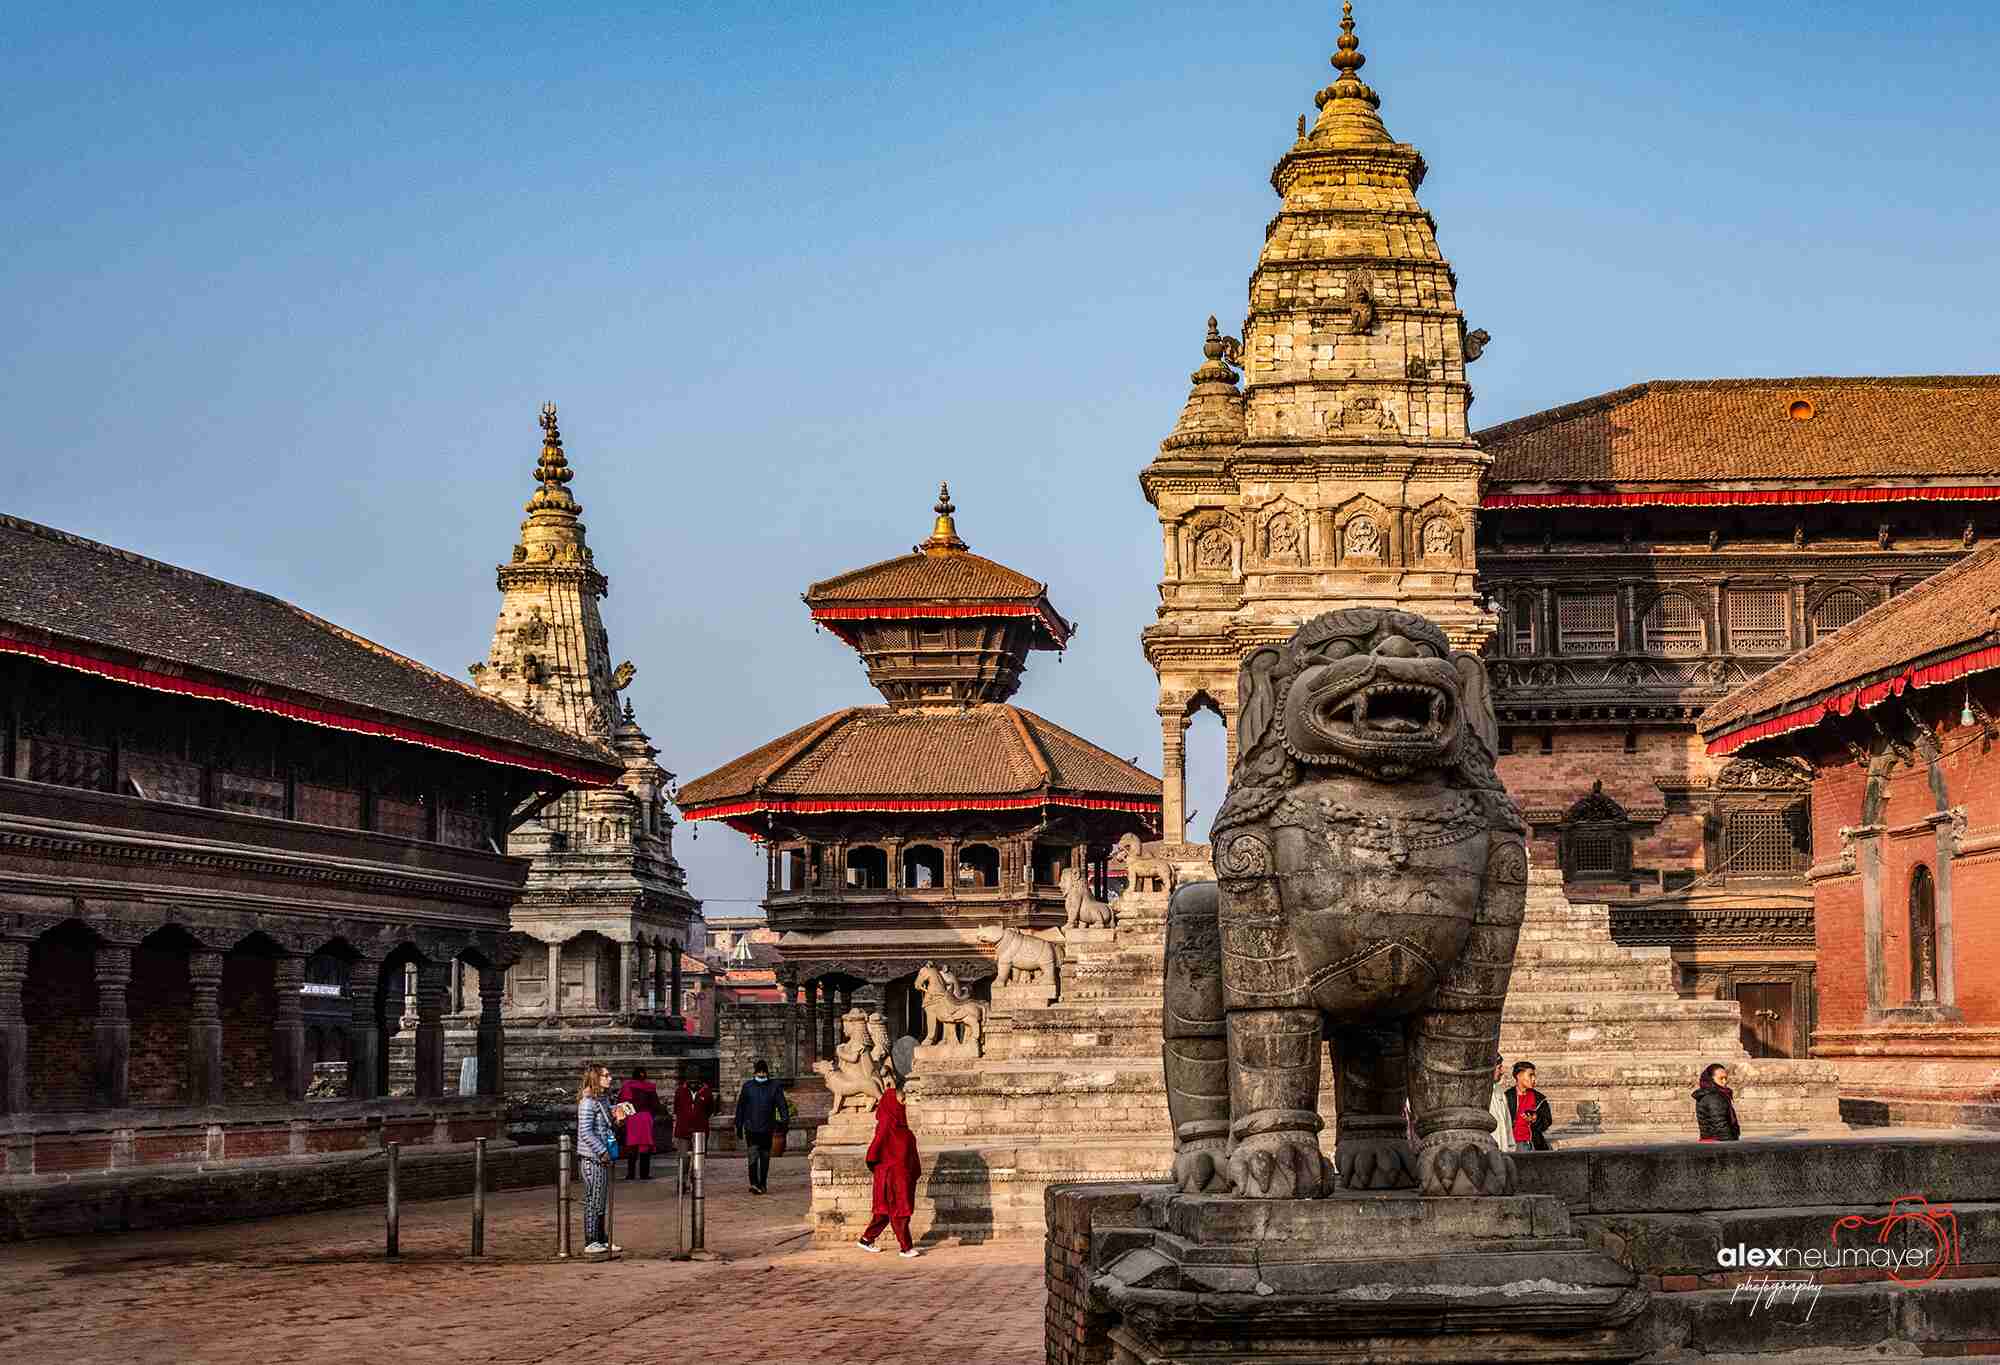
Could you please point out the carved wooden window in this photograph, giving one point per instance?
(867, 869)
(410, 819)
(1599, 851)
(1923, 937)
(1521, 626)
(250, 795)
(923, 867)
(1757, 623)
(1673, 627)
(1835, 610)
(164, 779)
(65, 764)
(1587, 622)
(463, 827)
(978, 865)
(1766, 841)
(339, 807)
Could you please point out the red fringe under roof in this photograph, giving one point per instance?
(1846, 703)
(1741, 497)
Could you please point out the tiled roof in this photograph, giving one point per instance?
(957, 577)
(874, 751)
(100, 603)
(1946, 615)
(1715, 431)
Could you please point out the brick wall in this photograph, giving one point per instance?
(161, 1002)
(1075, 1335)
(59, 1000)
(249, 1013)
(1580, 758)
(745, 1032)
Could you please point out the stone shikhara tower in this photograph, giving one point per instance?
(605, 896)
(1342, 473)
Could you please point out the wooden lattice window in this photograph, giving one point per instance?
(1521, 626)
(1599, 851)
(164, 779)
(336, 806)
(62, 763)
(1673, 627)
(1757, 622)
(250, 795)
(1769, 841)
(1835, 610)
(1587, 622)
(410, 819)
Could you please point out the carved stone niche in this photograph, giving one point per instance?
(1439, 534)
(1282, 534)
(1361, 530)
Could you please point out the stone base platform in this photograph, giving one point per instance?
(1391, 1279)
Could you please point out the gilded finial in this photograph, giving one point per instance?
(944, 532)
(1347, 60)
(552, 471)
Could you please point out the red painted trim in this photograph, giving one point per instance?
(1741, 497)
(944, 611)
(332, 720)
(1973, 660)
(732, 811)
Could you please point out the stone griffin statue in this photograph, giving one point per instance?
(861, 1061)
(1081, 910)
(1372, 880)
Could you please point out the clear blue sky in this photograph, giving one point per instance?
(284, 291)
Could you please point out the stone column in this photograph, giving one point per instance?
(433, 986)
(13, 1027)
(674, 981)
(1173, 776)
(1230, 715)
(492, 1034)
(792, 1016)
(205, 1028)
(364, 1029)
(288, 1033)
(113, 970)
(812, 1022)
(621, 990)
(660, 977)
(829, 1031)
(1943, 917)
(553, 1006)
(1868, 858)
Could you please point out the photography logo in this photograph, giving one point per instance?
(1912, 1244)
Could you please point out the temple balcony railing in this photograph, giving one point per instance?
(1002, 903)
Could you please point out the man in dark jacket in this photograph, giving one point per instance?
(1530, 1110)
(761, 1110)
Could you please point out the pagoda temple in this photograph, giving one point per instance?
(895, 833)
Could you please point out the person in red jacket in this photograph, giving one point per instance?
(694, 1106)
(893, 1158)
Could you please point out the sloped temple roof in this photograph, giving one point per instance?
(1938, 632)
(82, 605)
(874, 758)
(1679, 442)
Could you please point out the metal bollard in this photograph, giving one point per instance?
(699, 1228)
(610, 1198)
(562, 1197)
(479, 1196)
(680, 1206)
(394, 1150)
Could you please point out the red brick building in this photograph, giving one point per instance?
(1652, 549)
(1893, 720)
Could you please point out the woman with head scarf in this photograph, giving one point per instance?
(892, 1156)
(644, 1097)
(1715, 1106)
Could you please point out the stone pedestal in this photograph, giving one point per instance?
(1387, 1278)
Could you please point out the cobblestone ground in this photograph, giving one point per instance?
(316, 1288)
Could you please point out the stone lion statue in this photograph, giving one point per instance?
(861, 1061)
(1143, 872)
(1372, 875)
(1081, 910)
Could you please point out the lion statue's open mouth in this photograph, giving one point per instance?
(1375, 709)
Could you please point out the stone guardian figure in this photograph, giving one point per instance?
(1372, 876)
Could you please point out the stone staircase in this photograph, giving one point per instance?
(1617, 1049)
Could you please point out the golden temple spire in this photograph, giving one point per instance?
(944, 532)
(552, 471)
(1347, 107)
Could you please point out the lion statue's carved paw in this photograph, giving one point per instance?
(1279, 1166)
(1375, 1163)
(1202, 1167)
(1465, 1167)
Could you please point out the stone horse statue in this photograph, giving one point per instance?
(942, 1008)
(1372, 881)
(861, 1061)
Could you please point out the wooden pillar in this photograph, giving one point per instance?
(364, 1029)
(204, 1027)
(288, 1030)
(13, 1026)
(812, 1021)
(553, 1006)
(433, 986)
(492, 1042)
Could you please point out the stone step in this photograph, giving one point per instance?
(1712, 1324)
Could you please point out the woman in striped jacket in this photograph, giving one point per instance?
(595, 1141)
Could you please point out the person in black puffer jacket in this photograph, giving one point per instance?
(1715, 1106)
